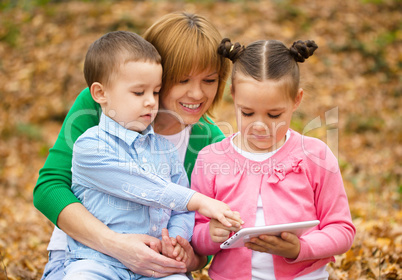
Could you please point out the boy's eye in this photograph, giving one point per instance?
(274, 116)
(246, 114)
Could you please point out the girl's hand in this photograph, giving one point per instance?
(219, 233)
(214, 209)
(287, 245)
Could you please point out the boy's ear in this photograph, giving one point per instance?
(98, 93)
(298, 99)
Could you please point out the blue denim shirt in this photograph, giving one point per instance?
(132, 182)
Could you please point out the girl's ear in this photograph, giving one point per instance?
(98, 93)
(232, 91)
(298, 99)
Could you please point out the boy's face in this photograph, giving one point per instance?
(263, 112)
(132, 95)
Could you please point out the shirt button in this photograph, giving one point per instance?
(256, 168)
(144, 159)
(154, 228)
(144, 194)
(172, 204)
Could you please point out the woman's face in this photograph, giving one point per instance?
(189, 99)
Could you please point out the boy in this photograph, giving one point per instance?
(124, 174)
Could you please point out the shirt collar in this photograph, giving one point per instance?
(116, 129)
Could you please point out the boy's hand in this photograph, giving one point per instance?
(287, 245)
(171, 248)
(219, 233)
(214, 209)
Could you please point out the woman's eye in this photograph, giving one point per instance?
(274, 116)
(246, 114)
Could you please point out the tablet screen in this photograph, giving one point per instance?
(244, 235)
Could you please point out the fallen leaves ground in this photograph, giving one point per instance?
(353, 85)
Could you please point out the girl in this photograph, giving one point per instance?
(271, 174)
(193, 82)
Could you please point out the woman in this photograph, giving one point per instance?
(193, 82)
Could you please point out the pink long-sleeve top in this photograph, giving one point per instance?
(301, 182)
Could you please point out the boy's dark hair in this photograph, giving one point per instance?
(106, 54)
(268, 60)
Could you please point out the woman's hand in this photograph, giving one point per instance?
(133, 250)
(287, 245)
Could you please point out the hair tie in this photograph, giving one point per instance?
(231, 48)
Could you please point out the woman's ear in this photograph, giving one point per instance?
(98, 93)
(298, 99)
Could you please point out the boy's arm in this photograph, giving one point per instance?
(102, 166)
(181, 222)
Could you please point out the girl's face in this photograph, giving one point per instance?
(187, 101)
(263, 113)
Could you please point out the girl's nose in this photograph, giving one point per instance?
(260, 126)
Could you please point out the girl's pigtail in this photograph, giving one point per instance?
(229, 50)
(300, 50)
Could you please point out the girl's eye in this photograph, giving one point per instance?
(156, 92)
(183, 81)
(138, 93)
(246, 114)
(274, 116)
(210, 81)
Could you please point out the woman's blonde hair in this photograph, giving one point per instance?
(188, 43)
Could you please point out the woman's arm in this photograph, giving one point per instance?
(52, 192)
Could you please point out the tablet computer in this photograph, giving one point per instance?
(244, 235)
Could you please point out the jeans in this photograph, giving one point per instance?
(54, 269)
(84, 269)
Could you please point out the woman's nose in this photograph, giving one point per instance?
(195, 91)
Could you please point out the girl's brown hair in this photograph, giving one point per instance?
(188, 44)
(268, 60)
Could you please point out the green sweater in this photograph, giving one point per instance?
(52, 192)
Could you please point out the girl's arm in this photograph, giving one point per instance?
(337, 231)
(203, 183)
